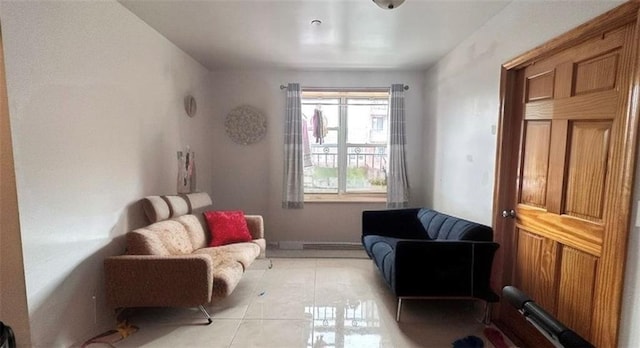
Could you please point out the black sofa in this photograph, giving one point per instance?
(422, 253)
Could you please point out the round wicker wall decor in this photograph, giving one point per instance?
(245, 125)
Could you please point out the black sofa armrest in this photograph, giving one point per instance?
(396, 223)
(444, 268)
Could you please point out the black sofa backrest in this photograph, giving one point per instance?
(441, 226)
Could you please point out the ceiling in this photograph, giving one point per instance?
(354, 34)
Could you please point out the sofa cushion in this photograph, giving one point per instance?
(155, 208)
(245, 253)
(167, 237)
(227, 268)
(145, 242)
(199, 213)
(445, 227)
(177, 205)
(197, 200)
(227, 227)
(226, 276)
(196, 232)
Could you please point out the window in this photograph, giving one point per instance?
(347, 135)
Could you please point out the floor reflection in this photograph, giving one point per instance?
(346, 324)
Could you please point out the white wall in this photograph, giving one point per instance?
(461, 105)
(96, 105)
(250, 177)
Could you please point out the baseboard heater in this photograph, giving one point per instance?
(332, 246)
(292, 245)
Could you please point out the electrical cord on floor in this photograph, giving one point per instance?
(123, 330)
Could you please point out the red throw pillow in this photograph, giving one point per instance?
(227, 227)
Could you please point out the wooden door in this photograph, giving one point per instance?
(13, 295)
(571, 174)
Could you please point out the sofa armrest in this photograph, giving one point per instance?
(150, 280)
(396, 223)
(256, 226)
(444, 268)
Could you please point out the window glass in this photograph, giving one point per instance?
(346, 142)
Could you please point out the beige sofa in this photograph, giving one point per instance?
(169, 263)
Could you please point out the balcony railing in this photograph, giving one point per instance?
(366, 168)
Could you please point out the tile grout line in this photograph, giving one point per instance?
(244, 314)
(313, 308)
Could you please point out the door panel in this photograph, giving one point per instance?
(557, 159)
(536, 161)
(596, 74)
(587, 169)
(528, 261)
(576, 288)
(540, 87)
(537, 267)
(569, 182)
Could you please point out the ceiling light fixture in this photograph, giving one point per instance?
(388, 4)
(316, 22)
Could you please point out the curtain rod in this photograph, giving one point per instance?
(406, 88)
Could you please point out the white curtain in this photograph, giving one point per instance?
(397, 183)
(293, 187)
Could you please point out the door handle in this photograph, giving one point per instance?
(509, 213)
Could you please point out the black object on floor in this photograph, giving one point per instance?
(7, 339)
(544, 322)
(469, 342)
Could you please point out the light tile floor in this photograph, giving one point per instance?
(309, 303)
